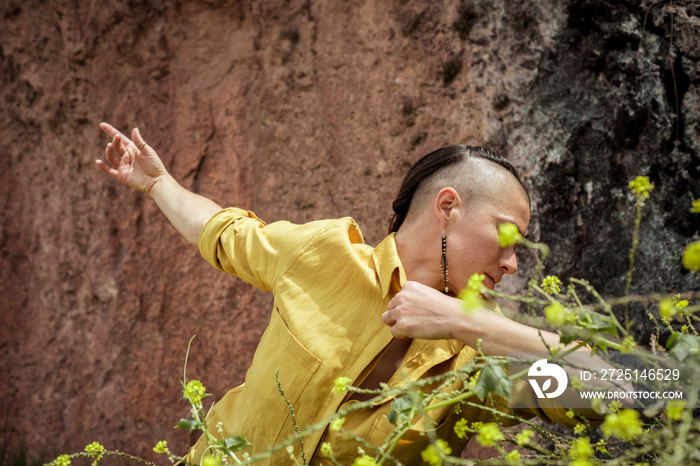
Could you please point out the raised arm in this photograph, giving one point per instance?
(135, 164)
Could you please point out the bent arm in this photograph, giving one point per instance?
(419, 311)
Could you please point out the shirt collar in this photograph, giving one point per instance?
(388, 266)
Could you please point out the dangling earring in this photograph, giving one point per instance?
(443, 260)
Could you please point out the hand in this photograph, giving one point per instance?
(418, 311)
(131, 162)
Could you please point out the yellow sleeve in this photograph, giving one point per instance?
(238, 242)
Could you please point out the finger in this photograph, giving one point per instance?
(396, 332)
(394, 301)
(388, 318)
(107, 169)
(121, 145)
(110, 130)
(111, 156)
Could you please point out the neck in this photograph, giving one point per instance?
(420, 255)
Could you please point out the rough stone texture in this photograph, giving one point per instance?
(301, 110)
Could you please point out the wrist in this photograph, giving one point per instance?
(159, 184)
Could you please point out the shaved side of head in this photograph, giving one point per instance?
(470, 170)
(473, 178)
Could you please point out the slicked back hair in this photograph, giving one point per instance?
(431, 163)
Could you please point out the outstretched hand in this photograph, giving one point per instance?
(131, 161)
(418, 311)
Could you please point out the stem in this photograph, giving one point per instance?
(633, 251)
(291, 413)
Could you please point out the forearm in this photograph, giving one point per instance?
(500, 335)
(187, 212)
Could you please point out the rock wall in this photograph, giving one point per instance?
(301, 110)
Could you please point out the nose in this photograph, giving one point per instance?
(509, 262)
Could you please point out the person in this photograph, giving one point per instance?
(382, 315)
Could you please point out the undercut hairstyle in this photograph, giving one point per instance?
(433, 163)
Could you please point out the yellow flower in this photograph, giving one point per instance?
(550, 284)
(674, 409)
(628, 344)
(461, 428)
(473, 379)
(471, 300)
(194, 391)
(434, 453)
(641, 186)
(95, 450)
(600, 446)
(580, 428)
(508, 233)
(341, 384)
(581, 463)
(581, 449)
(523, 438)
(63, 460)
(337, 424)
(669, 307)
(666, 308)
(326, 449)
(695, 207)
(364, 460)
(615, 406)
(476, 282)
(210, 461)
(161, 447)
(489, 434)
(691, 256)
(680, 303)
(625, 424)
(513, 457)
(556, 314)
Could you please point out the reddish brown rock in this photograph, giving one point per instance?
(297, 110)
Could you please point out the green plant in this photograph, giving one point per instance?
(656, 433)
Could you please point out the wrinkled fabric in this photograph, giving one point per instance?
(330, 290)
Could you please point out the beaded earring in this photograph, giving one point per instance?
(443, 260)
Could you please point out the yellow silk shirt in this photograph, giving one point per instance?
(330, 290)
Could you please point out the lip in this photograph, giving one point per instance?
(489, 282)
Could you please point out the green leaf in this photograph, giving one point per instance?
(597, 322)
(682, 345)
(234, 444)
(566, 338)
(188, 424)
(403, 404)
(493, 379)
(400, 406)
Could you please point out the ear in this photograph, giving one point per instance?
(445, 201)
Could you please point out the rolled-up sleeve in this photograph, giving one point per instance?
(238, 242)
